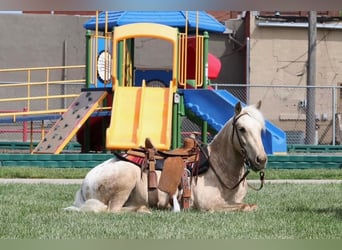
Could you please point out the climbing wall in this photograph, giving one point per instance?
(72, 120)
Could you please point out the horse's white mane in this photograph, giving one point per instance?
(255, 113)
(252, 111)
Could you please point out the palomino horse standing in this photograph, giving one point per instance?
(117, 185)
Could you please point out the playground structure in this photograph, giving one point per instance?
(185, 86)
(125, 94)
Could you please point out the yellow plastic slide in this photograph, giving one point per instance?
(137, 113)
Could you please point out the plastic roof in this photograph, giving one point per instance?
(177, 19)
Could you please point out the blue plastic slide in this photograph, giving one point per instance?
(217, 106)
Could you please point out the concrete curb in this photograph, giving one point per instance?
(298, 181)
(79, 181)
(40, 181)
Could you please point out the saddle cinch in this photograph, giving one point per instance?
(176, 165)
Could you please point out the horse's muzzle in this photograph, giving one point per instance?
(258, 164)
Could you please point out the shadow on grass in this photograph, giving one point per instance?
(335, 211)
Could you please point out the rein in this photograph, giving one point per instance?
(261, 174)
(225, 185)
(237, 134)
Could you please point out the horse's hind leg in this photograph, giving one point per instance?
(116, 204)
(118, 208)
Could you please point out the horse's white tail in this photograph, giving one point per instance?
(79, 199)
(82, 205)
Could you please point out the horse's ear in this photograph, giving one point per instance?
(238, 108)
(258, 105)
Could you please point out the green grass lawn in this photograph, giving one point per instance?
(76, 173)
(286, 211)
(37, 172)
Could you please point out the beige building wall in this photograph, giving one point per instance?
(278, 56)
(30, 40)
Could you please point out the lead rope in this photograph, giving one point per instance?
(262, 181)
(262, 178)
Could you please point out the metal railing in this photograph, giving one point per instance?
(197, 44)
(40, 90)
(283, 105)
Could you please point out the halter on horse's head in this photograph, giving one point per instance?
(248, 124)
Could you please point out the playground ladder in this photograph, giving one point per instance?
(71, 121)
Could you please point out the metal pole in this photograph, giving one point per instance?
(248, 76)
(205, 82)
(176, 133)
(31, 137)
(88, 59)
(205, 59)
(65, 63)
(334, 116)
(25, 128)
(311, 79)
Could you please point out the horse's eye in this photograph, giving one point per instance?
(242, 130)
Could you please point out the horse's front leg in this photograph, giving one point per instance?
(234, 207)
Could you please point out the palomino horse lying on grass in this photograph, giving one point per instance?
(118, 185)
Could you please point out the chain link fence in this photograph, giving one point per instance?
(287, 107)
(284, 106)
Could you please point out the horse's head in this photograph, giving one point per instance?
(248, 124)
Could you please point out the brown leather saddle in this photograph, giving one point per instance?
(175, 171)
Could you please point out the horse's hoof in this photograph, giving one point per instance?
(144, 210)
(72, 208)
(249, 207)
(253, 206)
